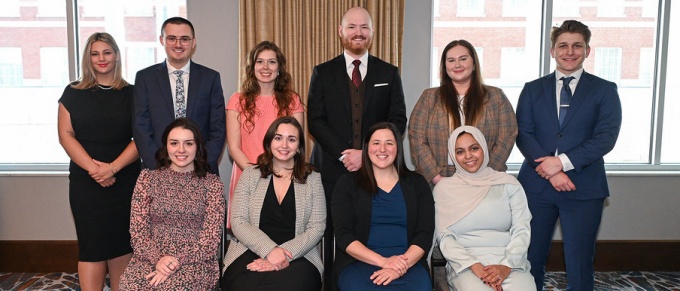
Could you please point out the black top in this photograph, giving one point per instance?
(278, 220)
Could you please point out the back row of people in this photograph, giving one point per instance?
(347, 96)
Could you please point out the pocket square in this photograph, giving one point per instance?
(381, 84)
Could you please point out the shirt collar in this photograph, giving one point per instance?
(172, 69)
(349, 59)
(576, 75)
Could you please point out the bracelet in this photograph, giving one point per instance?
(111, 168)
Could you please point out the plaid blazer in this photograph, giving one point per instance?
(428, 132)
(310, 220)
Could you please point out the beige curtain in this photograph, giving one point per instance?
(307, 32)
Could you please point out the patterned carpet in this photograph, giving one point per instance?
(556, 281)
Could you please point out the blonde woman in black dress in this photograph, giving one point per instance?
(94, 124)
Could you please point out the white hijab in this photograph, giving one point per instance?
(458, 195)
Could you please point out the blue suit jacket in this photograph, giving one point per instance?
(154, 110)
(589, 131)
(329, 112)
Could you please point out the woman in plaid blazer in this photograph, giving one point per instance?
(461, 99)
(278, 218)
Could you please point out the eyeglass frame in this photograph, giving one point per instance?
(184, 40)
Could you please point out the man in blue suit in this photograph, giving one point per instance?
(177, 88)
(346, 96)
(568, 121)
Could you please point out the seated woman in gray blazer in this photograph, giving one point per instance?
(278, 218)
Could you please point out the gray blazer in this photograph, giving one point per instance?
(310, 220)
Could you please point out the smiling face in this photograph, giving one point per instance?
(266, 67)
(469, 154)
(285, 144)
(181, 149)
(382, 149)
(356, 31)
(569, 52)
(178, 54)
(103, 58)
(459, 65)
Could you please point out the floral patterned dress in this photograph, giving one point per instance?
(181, 215)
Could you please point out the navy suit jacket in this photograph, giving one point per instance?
(154, 110)
(588, 132)
(329, 114)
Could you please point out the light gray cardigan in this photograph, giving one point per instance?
(310, 219)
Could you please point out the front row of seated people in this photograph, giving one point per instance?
(384, 219)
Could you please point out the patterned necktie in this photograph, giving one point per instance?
(565, 97)
(179, 95)
(356, 74)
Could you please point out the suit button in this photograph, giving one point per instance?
(357, 121)
(356, 136)
(559, 135)
(357, 105)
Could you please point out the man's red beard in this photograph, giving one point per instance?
(356, 49)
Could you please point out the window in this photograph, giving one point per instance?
(611, 8)
(35, 65)
(608, 63)
(11, 69)
(623, 50)
(514, 8)
(471, 8)
(670, 144)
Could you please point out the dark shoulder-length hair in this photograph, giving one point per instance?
(201, 165)
(250, 89)
(265, 161)
(365, 177)
(475, 97)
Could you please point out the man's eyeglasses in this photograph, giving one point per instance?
(185, 40)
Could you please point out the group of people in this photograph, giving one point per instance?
(354, 217)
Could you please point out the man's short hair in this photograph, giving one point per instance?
(177, 20)
(571, 26)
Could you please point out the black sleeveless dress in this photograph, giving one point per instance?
(102, 121)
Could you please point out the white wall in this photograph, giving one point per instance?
(642, 207)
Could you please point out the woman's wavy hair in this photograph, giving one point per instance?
(265, 161)
(250, 89)
(475, 97)
(88, 79)
(201, 165)
(365, 176)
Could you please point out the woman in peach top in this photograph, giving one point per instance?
(266, 93)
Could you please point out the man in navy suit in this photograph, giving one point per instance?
(346, 96)
(568, 121)
(176, 88)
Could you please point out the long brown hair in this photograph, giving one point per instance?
(475, 97)
(250, 89)
(265, 161)
(87, 78)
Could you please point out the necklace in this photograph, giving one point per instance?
(104, 87)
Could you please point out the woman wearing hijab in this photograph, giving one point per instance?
(482, 220)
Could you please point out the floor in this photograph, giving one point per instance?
(555, 281)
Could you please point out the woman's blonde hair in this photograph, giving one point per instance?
(87, 79)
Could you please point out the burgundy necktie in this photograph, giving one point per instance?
(356, 74)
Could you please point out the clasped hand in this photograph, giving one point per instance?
(102, 174)
(165, 267)
(491, 275)
(277, 259)
(392, 268)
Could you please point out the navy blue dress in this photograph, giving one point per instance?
(387, 237)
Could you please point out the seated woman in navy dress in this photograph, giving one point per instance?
(278, 218)
(383, 216)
